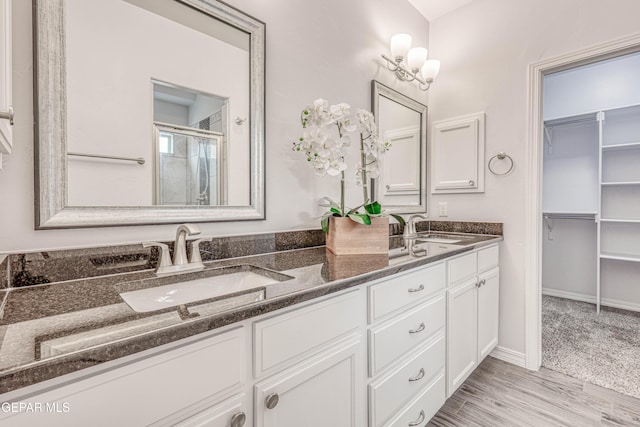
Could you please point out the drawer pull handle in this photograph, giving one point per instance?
(420, 329)
(238, 419)
(482, 282)
(272, 400)
(418, 289)
(418, 377)
(419, 420)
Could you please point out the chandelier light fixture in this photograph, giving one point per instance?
(416, 67)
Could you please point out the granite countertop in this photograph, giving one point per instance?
(48, 330)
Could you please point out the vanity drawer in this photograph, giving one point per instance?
(463, 268)
(149, 389)
(488, 258)
(405, 290)
(287, 338)
(389, 394)
(389, 341)
(426, 405)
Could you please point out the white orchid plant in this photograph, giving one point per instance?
(325, 142)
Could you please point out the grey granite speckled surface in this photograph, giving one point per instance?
(35, 268)
(52, 329)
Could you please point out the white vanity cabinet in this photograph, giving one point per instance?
(384, 353)
(472, 312)
(407, 347)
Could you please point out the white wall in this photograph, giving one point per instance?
(601, 86)
(485, 48)
(327, 49)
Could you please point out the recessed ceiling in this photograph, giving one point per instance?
(432, 9)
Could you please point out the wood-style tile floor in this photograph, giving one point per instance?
(501, 394)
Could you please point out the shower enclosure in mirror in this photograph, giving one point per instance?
(161, 121)
(191, 162)
(402, 121)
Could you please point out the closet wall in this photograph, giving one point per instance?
(591, 184)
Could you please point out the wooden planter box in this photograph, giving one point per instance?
(346, 237)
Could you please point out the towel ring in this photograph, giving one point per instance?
(501, 156)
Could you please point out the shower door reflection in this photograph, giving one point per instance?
(190, 166)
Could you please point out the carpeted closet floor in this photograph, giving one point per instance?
(603, 349)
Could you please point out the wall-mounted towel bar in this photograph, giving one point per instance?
(138, 160)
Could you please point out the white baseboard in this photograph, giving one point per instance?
(625, 305)
(509, 356)
(569, 295)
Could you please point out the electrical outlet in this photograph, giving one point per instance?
(443, 209)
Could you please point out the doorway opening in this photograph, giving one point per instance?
(583, 211)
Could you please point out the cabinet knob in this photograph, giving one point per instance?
(419, 329)
(238, 420)
(272, 400)
(419, 421)
(472, 182)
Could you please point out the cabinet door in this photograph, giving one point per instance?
(458, 155)
(462, 354)
(319, 393)
(488, 308)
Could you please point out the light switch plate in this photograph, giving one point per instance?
(443, 209)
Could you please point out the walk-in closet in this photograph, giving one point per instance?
(591, 223)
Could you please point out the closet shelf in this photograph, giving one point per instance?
(620, 183)
(627, 221)
(580, 118)
(568, 214)
(616, 147)
(620, 257)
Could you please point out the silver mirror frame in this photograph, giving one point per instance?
(50, 132)
(378, 89)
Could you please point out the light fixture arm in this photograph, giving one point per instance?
(403, 73)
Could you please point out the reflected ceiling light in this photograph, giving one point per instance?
(417, 67)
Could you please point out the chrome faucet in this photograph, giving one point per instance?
(410, 226)
(180, 262)
(180, 247)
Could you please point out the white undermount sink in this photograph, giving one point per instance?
(153, 294)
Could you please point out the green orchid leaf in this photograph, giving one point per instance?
(335, 211)
(360, 218)
(398, 218)
(325, 224)
(374, 208)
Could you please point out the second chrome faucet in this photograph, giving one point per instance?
(180, 262)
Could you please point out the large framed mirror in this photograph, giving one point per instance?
(402, 121)
(148, 112)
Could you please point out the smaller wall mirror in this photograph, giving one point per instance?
(402, 121)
